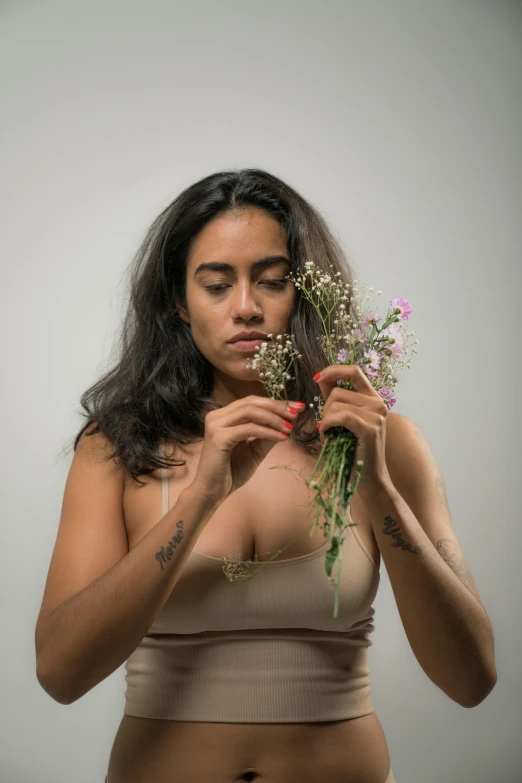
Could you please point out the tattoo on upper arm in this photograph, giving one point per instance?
(450, 551)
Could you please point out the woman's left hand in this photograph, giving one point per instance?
(363, 412)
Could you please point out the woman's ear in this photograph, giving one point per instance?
(182, 310)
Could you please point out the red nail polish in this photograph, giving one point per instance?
(318, 426)
(317, 376)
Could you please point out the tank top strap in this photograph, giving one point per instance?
(164, 486)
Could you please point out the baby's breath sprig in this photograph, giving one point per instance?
(327, 295)
(273, 363)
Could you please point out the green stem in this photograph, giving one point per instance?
(340, 549)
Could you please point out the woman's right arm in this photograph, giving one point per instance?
(100, 599)
(89, 635)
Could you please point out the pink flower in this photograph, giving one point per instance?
(371, 315)
(374, 362)
(394, 330)
(387, 397)
(371, 368)
(357, 334)
(404, 306)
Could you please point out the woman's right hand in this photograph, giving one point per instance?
(237, 439)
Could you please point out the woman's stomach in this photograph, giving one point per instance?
(149, 750)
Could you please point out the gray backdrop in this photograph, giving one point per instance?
(402, 123)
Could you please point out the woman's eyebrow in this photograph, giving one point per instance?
(221, 266)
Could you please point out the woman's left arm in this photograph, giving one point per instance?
(400, 487)
(446, 624)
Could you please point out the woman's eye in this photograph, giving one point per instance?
(220, 286)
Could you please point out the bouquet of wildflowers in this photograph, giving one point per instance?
(349, 338)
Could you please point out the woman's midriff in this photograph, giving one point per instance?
(161, 751)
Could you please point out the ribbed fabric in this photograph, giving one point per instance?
(260, 650)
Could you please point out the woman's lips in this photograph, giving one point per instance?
(246, 345)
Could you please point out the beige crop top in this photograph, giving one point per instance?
(260, 650)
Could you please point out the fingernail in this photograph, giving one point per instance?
(318, 426)
(317, 376)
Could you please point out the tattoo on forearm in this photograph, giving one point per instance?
(450, 551)
(165, 554)
(392, 529)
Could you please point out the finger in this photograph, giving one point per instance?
(343, 418)
(258, 414)
(350, 372)
(285, 409)
(340, 398)
(253, 432)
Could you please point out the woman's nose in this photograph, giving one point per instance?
(245, 301)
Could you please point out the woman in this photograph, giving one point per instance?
(225, 681)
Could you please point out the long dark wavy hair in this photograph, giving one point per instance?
(160, 386)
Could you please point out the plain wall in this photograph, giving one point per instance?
(402, 123)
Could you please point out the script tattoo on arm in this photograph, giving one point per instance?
(392, 529)
(165, 554)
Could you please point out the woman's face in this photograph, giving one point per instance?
(244, 300)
